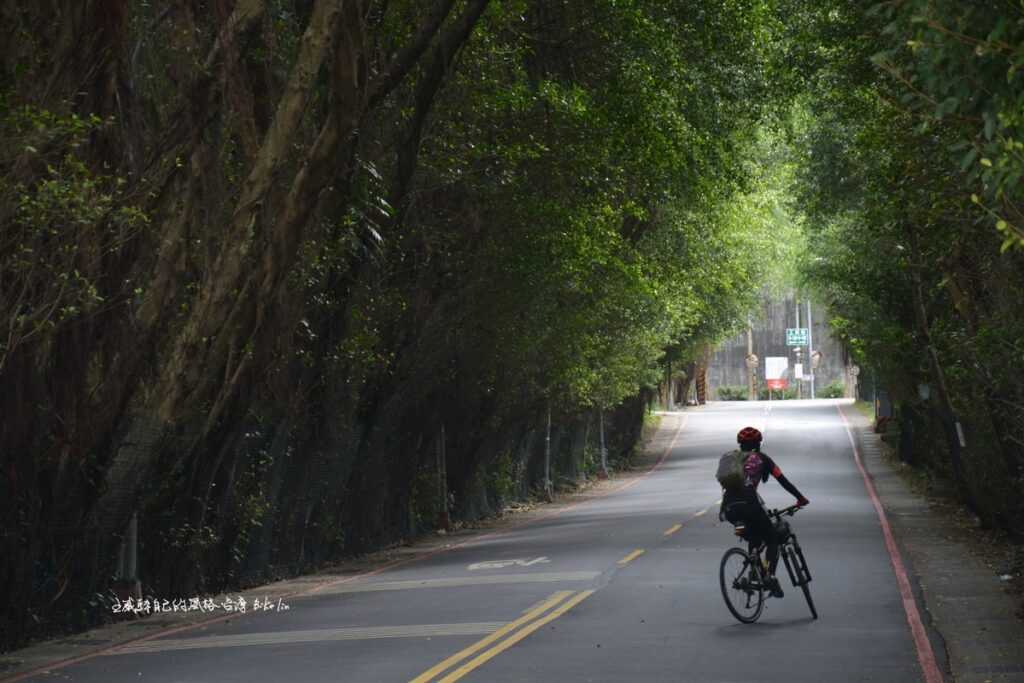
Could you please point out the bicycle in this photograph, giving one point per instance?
(744, 574)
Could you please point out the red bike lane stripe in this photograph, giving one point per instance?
(925, 654)
(77, 659)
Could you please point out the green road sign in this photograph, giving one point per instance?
(796, 336)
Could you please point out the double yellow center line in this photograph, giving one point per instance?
(505, 637)
(508, 635)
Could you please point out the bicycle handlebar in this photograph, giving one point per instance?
(790, 511)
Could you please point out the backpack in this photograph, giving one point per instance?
(730, 472)
(737, 469)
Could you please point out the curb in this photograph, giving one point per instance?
(925, 654)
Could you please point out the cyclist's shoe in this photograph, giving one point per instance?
(775, 588)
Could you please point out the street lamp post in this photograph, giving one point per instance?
(810, 345)
(798, 351)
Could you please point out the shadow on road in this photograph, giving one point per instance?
(742, 630)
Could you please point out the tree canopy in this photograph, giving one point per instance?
(293, 279)
(905, 142)
(286, 280)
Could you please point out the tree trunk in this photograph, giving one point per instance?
(701, 378)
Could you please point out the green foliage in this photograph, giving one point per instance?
(614, 232)
(831, 390)
(61, 218)
(424, 500)
(787, 394)
(730, 393)
(536, 220)
(957, 69)
(905, 145)
(504, 477)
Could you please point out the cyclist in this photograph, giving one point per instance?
(744, 505)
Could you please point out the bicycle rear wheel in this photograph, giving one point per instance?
(741, 584)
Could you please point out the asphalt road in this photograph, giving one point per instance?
(619, 588)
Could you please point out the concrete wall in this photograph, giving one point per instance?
(728, 366)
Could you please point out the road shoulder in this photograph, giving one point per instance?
(964, 597)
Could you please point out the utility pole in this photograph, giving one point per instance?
(128, 584)
(444, 520)
(810, 345)
(604, 450)
(799, 381)
(751, 363)
(547, 457)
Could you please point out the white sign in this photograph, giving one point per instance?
(798, 371)
(501, 564)
(775, 367)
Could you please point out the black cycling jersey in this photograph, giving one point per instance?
(748, 493)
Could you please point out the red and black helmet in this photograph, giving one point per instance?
(749, 435)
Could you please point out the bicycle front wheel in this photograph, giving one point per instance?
(741, 585)
(799, 564)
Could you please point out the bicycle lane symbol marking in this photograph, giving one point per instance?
(502, 564)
